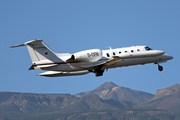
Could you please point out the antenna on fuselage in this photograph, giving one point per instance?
(111, 51)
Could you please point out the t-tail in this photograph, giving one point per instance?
(41, 54)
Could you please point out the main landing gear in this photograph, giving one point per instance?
(97, 71)
(160, 68)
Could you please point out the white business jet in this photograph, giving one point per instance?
(93, 60)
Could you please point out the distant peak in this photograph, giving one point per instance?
(175, 86)
(169, 90)
(111, 81)
(107, 85)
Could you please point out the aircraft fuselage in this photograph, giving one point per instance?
(93, 60)
(136, 55)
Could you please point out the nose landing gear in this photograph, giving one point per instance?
(160, 68)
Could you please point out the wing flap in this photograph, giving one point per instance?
(101, 63)
(114, 60)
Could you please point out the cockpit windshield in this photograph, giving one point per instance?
(148, 48)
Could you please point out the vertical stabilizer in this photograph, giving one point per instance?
(39, 51)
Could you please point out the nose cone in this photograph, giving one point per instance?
(167, 57)
(170, 57)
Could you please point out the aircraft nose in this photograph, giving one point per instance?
(170, 57)
(167, 57)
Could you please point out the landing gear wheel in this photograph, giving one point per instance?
(160, 68)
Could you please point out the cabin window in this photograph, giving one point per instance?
(119, 52)
(107, 54)
(138, 50)
(126, 51)
(132, 51)
(114, 53)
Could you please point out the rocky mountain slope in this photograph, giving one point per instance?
(18, 104)
(167, 98)
(14, 105)
(92, 102)
(107, 97)
(109, 90)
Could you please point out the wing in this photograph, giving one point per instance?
(114, 60)
(102, 62)
(61, 73)
(41, 66)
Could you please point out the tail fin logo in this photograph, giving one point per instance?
(42, 48)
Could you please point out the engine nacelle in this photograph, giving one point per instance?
(87, 55)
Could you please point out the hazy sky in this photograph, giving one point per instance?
(69, 26)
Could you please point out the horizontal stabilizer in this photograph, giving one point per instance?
(29, 42)
(17, 46)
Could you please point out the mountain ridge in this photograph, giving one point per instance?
(166, 98)
(167, 91)
(109, 90)
(107, 98)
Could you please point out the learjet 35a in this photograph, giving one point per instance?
(87, 61)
